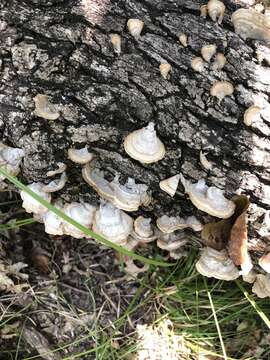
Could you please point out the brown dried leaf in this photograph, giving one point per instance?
(217, 234)
(238, 240)
(40, 260)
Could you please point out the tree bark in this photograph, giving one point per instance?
(62, 49)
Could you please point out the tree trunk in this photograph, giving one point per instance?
(62, 49)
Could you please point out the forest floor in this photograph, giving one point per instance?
(72, 301)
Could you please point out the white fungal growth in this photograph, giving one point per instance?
(144, 145)
(216, 264)
(264, 262)
(170, 185)
(170, 224)
(83, 213)
(216, 10)
(207, 165)
(135, 27)
(143, 230)
(208, 51)
(261, 286)
(174, 243)
(197, 64)
(208, 199)
(220, 61)
(183, 39)
(128, 197)
(44, 108)
(252, 115)
(112, 223)
(61, 168)
(116, 42)
(30, 204)
(10, 159)
(203, 10)
(165, 69)
(220, 89)
(55, 185)
(53, 224)
(80, 156)
(251, 24)
(250, 277)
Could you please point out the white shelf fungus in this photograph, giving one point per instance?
(208, 51)
(80, 156)
(217, 264)
(112, 223)
(216, 10)
(61, 168)
(44, 108)
(165, 69)
(53, 224)
(197, 64)
(83, 213)
(135, 27)
(208, 199)
(170, 224)
(220, 89)
(144, 145)
(32, 205)
(207, 165)
(173, 243)
(170, 185)
(10, 159)
(264, 262)
(251, 24)
(143, 230)
(219, 62)
(116, 42)
(129, 197)
(183, 39)
(252, 115)
(95, 178)
(56, 185)
(261, 286)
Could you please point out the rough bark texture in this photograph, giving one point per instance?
(62, 48)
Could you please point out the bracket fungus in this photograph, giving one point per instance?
(219, 62)
(10, 159)
(207, 165)
(61, 168)
(208, 199)
(170, 184)
(264, 262)
(220, 89)
(217, 264)
(83, 213)
(144, 145)
(251, 24)
(129, 197)
(261, 286)
(95, 178)
(197, 64)
(170, 224)
(112, 223)
(143, 230)
(252, 115)
(135, 27)
(203, 11)
(165, 69)
(208, 51)
(53, 224)
(116, 42)
(183, 39)
(44, 108)
(56, 185)
(216, 10)
(80, 156)
(173, 243)
(32, 205)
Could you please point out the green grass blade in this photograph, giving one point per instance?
(254, 304)
(17, 224)
(216, 321)
(79, 226)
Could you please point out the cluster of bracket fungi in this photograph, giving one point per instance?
(111, 220)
